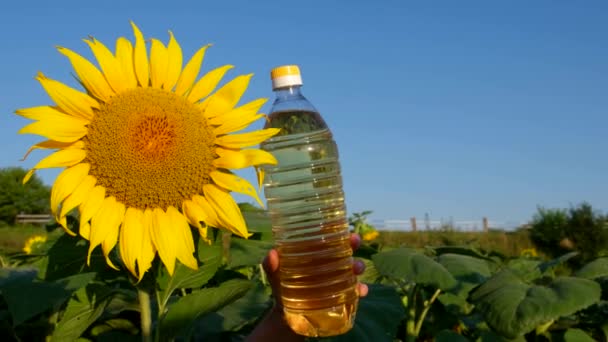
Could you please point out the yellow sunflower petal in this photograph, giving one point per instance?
(140, 57)
(239, 113)
(195, 215)
(66, 183)
(62, 158)
(237, 124)
(227, 211)
(174, 66)
(238, 118)
(48, 113)
(52, 144)
(190, 72)
(70, 100)
(158, 63)
(162, 236)
(85, 230)
(182, 236)
(147, 252)
(89, 208)
(67, 130)
(124, 55)
(246, 139)
(109, 64)
(92, 79)
(204, 86)
(130, 240)
(104, 227)
(209, 211)
(28, 175)
(79, 195)
(136, 247)
(260, 173)
(231, 159)
(235, 183)
(225, 98)
(110, 241)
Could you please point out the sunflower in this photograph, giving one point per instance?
(147, 150)
(33, 243)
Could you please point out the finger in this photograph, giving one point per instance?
(355, 241)
(358, 267)
(362, 289)
(271, 262)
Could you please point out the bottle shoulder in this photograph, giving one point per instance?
(296, 121)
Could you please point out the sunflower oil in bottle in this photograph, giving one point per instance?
(318, 288)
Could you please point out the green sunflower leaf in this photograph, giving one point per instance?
(247, 252)
(577, 335)
(27, 297)
(409, 265)
(378, 316)
(235, 315)
(185, 278)
(596, 269)
(179, 319)
(514, 307)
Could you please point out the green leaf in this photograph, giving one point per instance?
(82, 310)
(378, 316)
(577, 335)
(371, 274)
(247, 252)
(410, 265)
(551, 264)
(235, 315)
(596, 269)
(461, 250)
(88, 305)
(513, 307)
(184, 277)
(465, 269)
(68, 256)
(120, 324)
(258, 222)
(455, 304)
(449, 336)
(526, 268)
(180, 316)
(490, 336)
(26, 298)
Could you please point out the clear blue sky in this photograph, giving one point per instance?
(460, 109)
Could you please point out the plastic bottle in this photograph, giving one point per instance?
(308, 214)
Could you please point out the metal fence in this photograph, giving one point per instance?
(461, 225)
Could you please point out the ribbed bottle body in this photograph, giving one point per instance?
(310, 227)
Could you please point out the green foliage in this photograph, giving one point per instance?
(15, 197)
(513, 307)
(447, 293)
(557, 231)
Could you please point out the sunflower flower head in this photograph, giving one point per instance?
(370, 235)
(148, 148)
(33, 243)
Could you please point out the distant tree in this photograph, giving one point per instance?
(558, 231)
(15, 197)
(588, 231)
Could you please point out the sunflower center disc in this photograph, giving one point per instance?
(150, 148)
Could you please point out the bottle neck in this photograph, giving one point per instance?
(287, 93)
(290, 98)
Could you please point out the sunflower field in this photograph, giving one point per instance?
(434, 294)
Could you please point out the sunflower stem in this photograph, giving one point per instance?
(146, 314)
